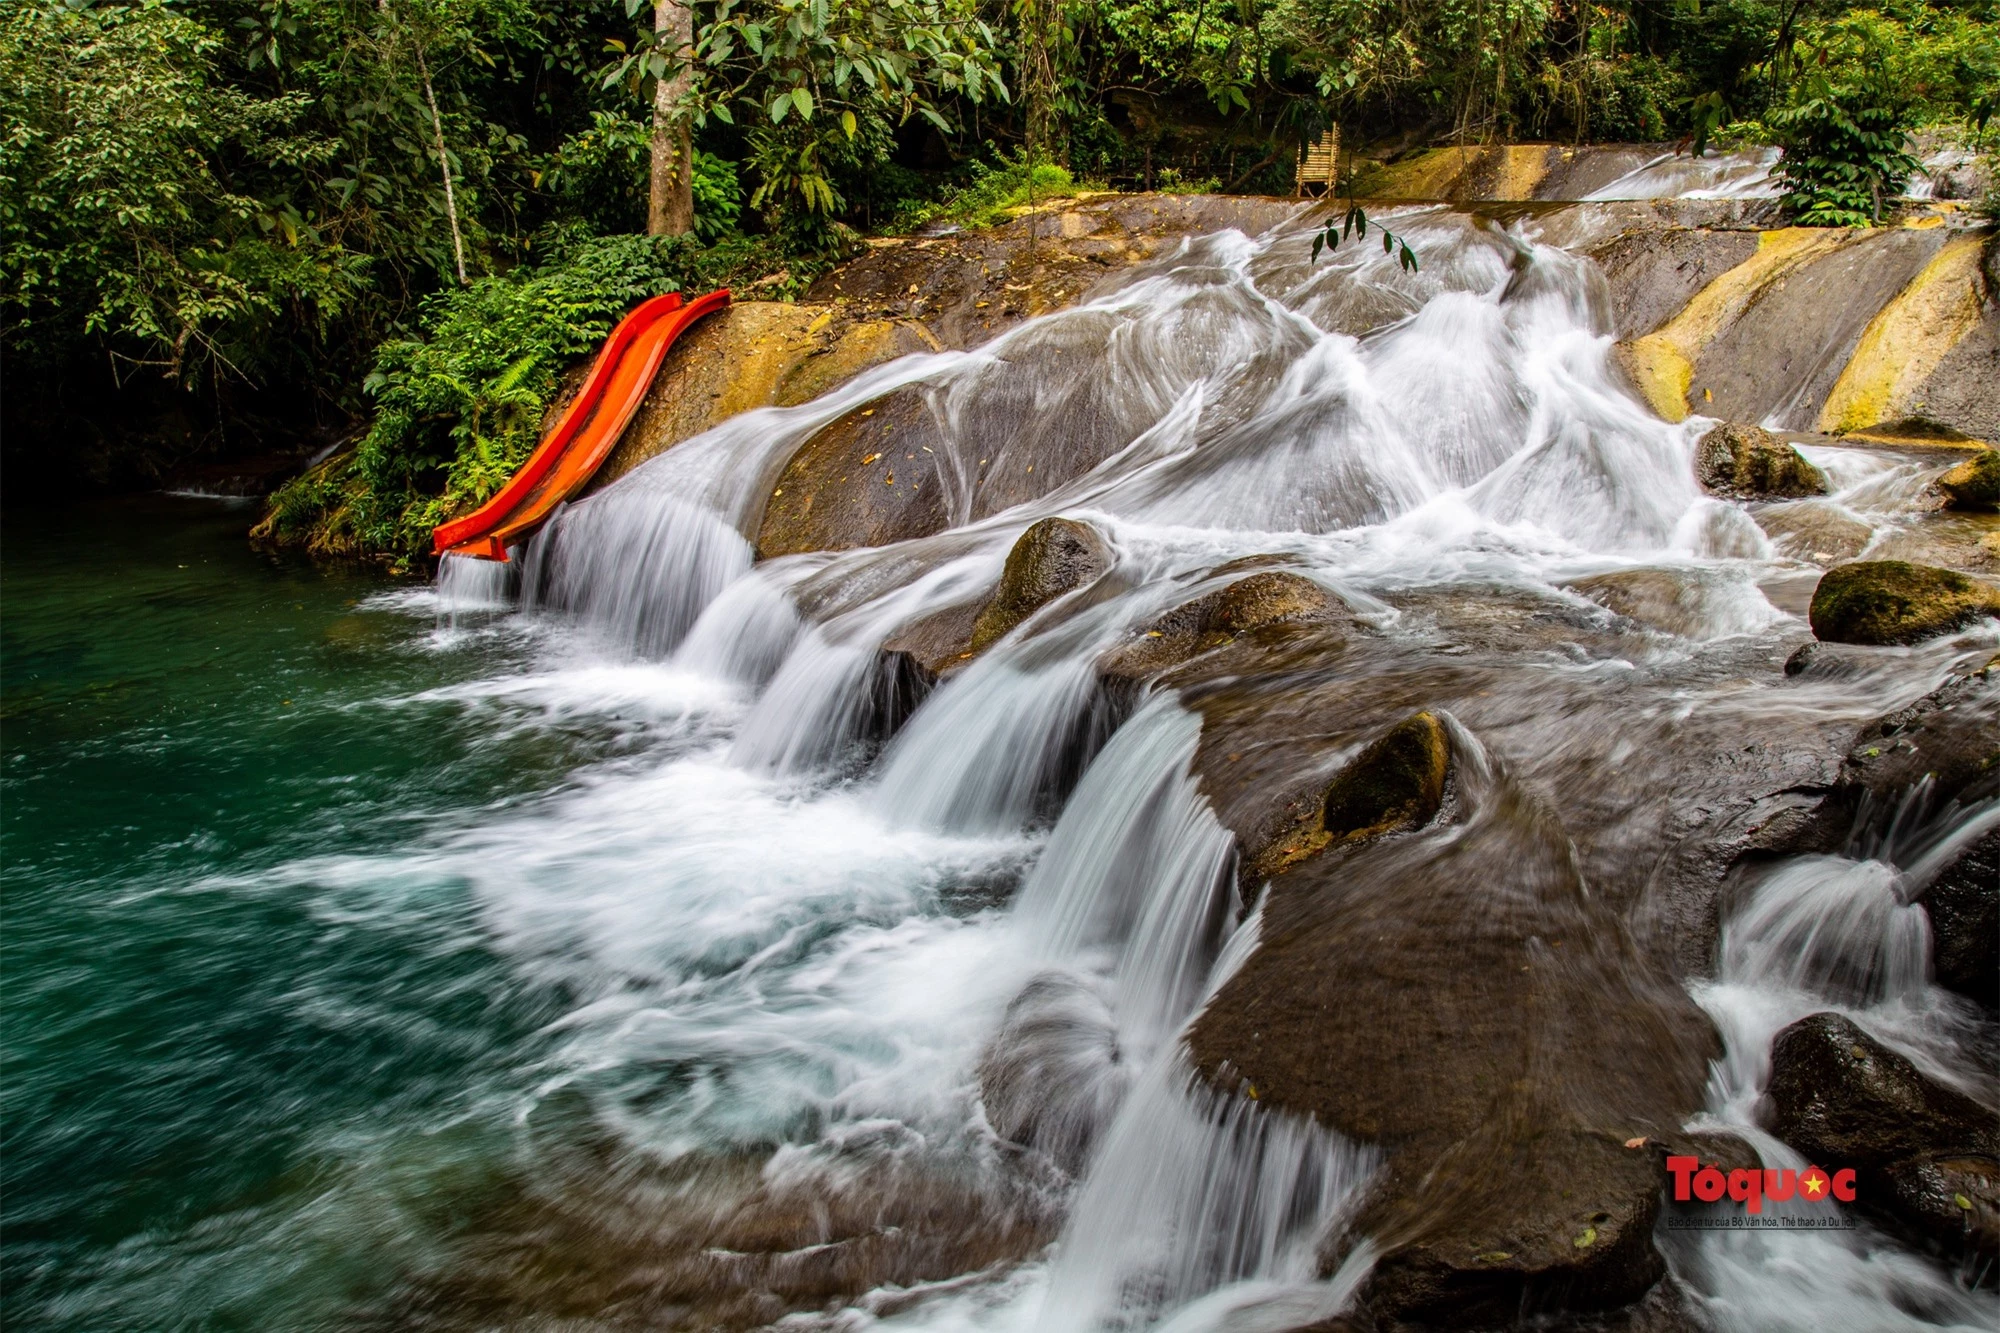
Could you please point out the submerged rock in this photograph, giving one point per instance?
(1963, 904)
(1272, 598)
(1924, 1154)
(1815, 530)
(1742, 462)
(1055, 556)
(1885, 602)
(1054, 1075)
(1973, 484)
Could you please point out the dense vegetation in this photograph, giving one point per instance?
(396, 221)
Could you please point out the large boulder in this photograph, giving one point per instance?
(1454, 995)
(1963, 903)
(1055, 556)
(1742, 462)
(1273, 598)
(1884, 602)
(1973, 484)
(1844, 1099)
(867, 478)
(1924, 1154)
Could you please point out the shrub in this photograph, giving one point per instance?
(460, 406)
(1843, 154)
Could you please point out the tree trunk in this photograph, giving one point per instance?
(670, 203)
(444, 166)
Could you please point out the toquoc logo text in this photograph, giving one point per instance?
(1750, 1187)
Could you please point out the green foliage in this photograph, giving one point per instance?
(601, 174)
(1843, 156)
(718, 199)
(992, 195)
(114, 217)
(460, 406)
(1354, 223)
(819, 86)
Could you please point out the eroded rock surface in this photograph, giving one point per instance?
(868, 478)
(1275, 598)
(1497, 1033)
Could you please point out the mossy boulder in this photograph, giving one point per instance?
(1740, 462)
(1973, 484)
(1275, 598)
(1396, 783)
(1055, 556)
(1882, 602)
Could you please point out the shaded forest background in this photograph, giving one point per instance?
(379, 229)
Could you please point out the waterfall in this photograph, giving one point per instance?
(968, 919)
(1842, 934)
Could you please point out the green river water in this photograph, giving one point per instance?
(247, 1084)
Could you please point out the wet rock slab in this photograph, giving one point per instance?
(1453, 993)
(1927, 1156)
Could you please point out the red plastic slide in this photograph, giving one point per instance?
(618, 382)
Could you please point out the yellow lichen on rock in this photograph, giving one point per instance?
(1662, 363)
(1520, 170)
(1499, 172)
(1907, 340)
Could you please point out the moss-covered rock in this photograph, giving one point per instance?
(1742, 462)
(1055, 556)
(1973, 484)
(1398, 782)
(1275, 598)
(1894, 602)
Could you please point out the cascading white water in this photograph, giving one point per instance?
(1742, 174)
(1842, 934)
(777, 934)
